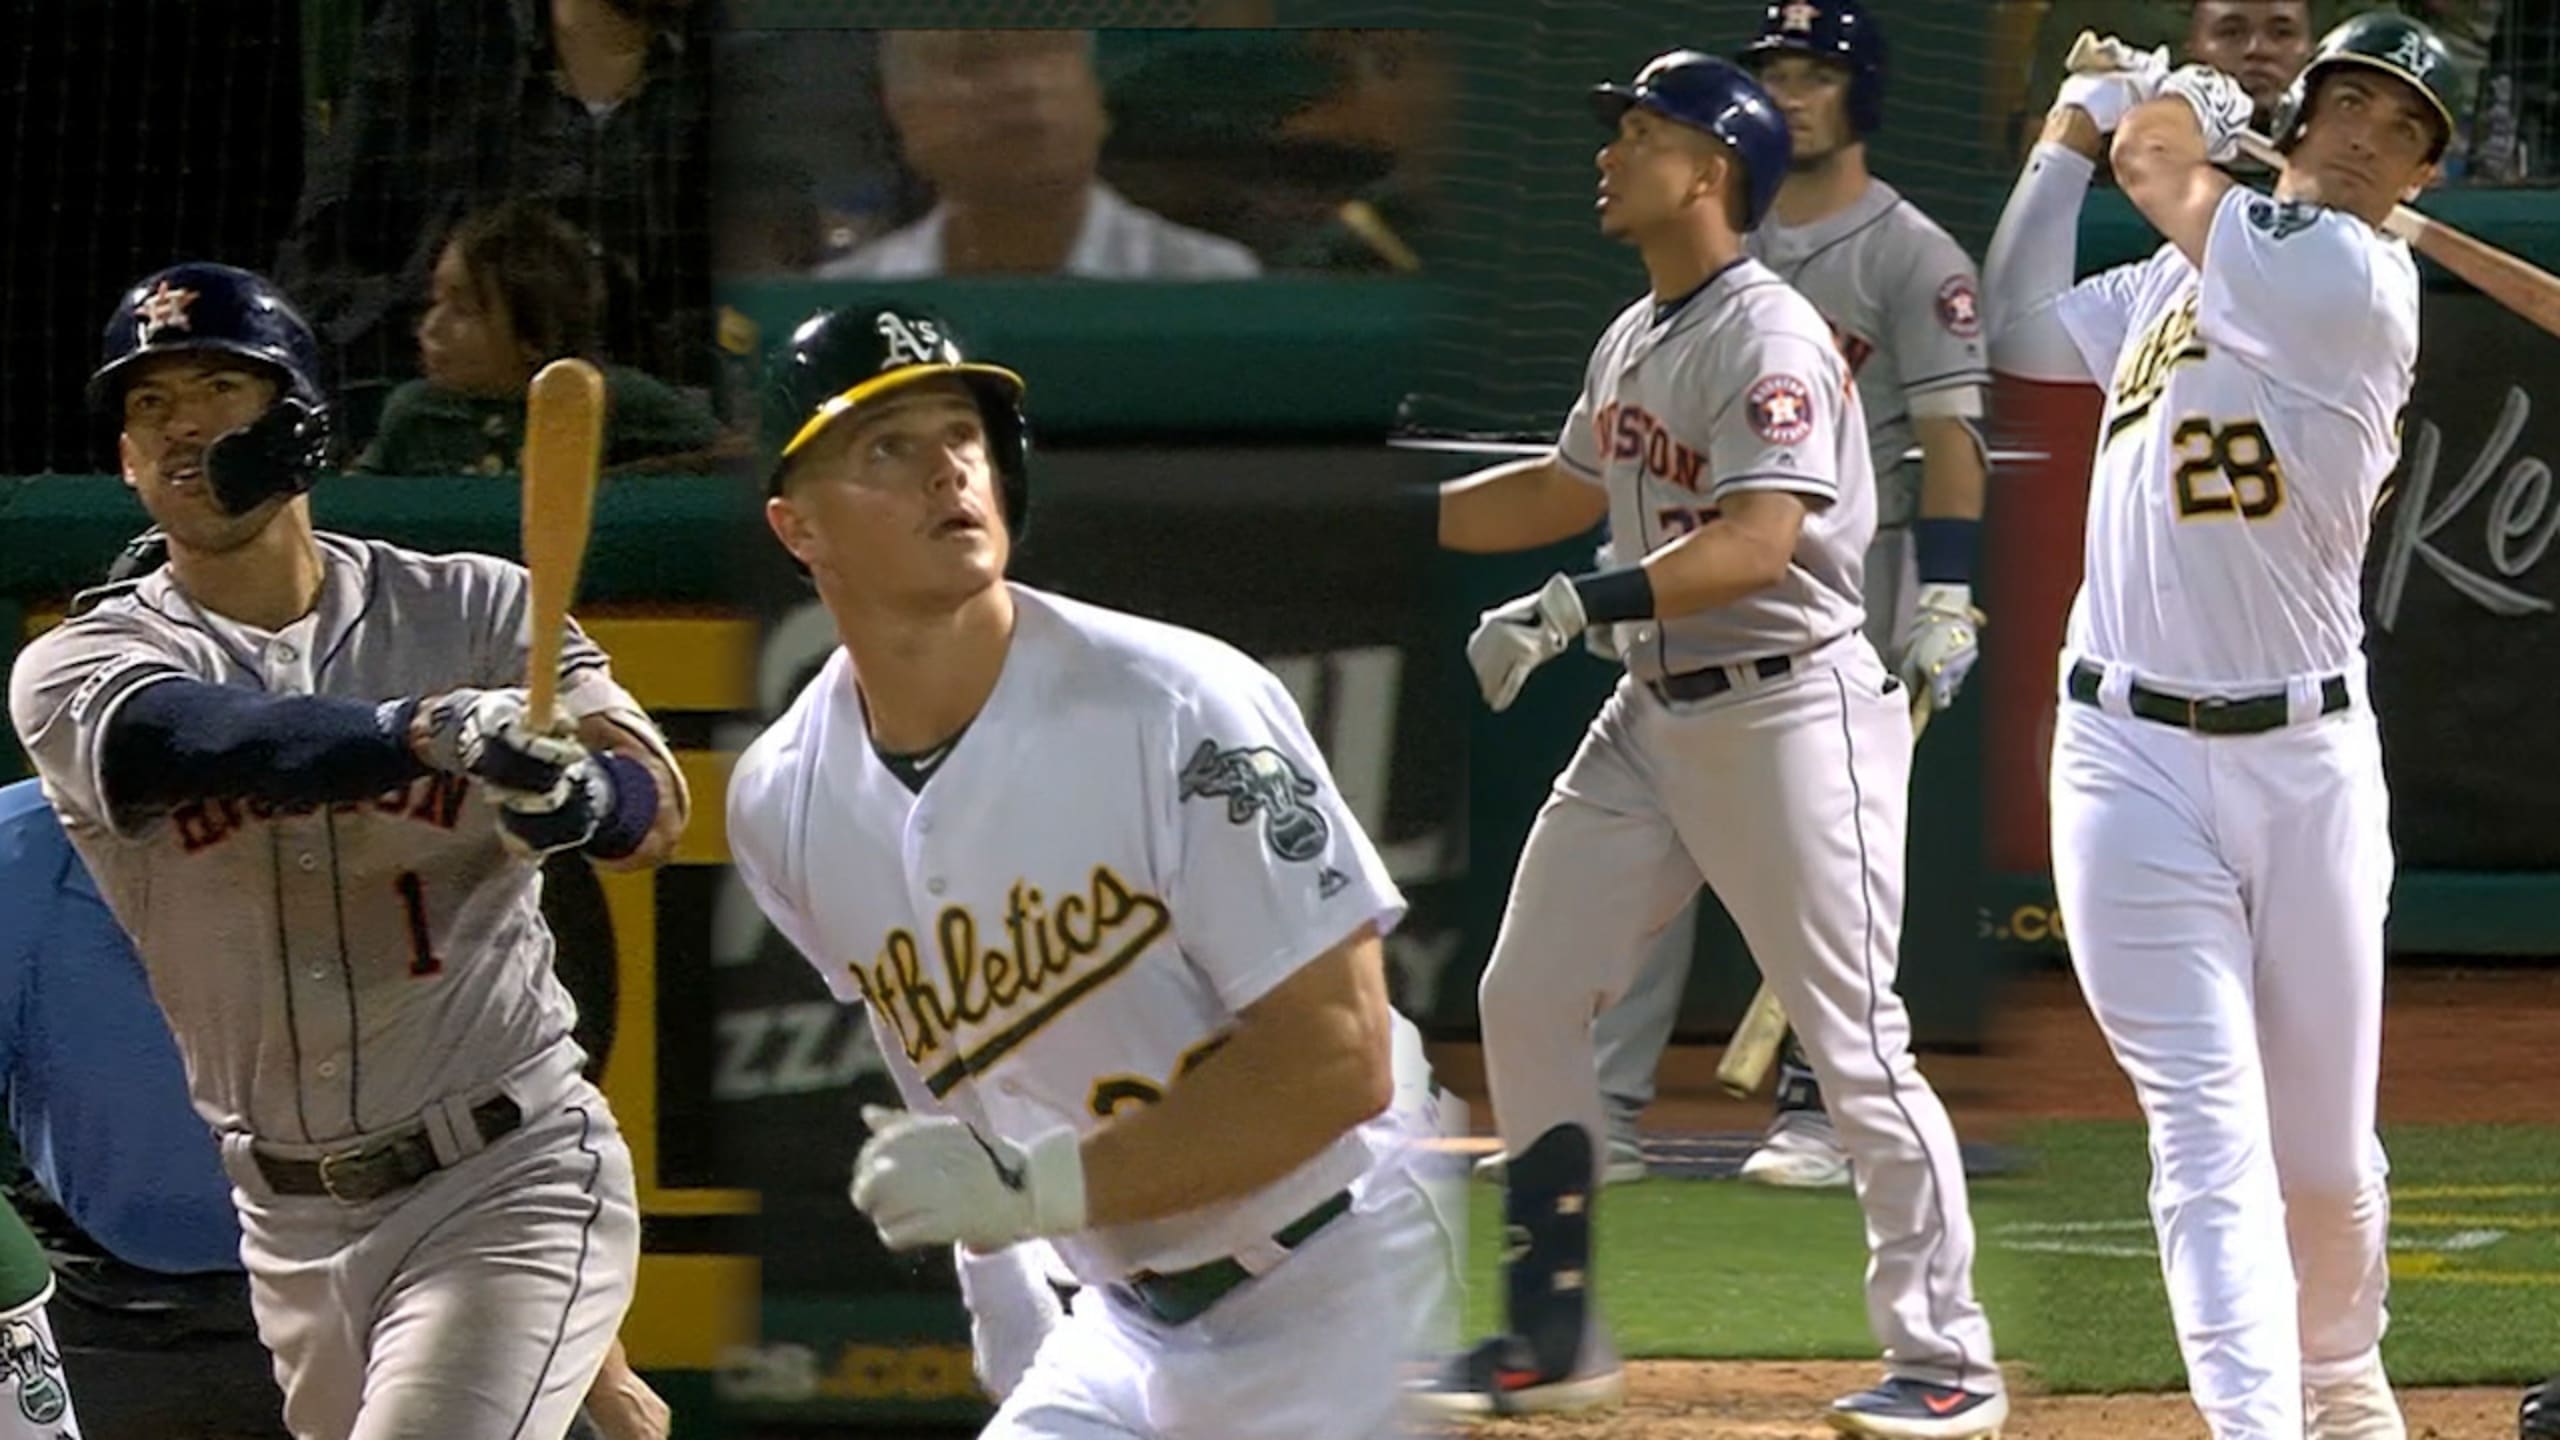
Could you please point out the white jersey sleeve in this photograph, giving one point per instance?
(1260, 860)
(1935, 320)
(2288, 289)
(1781, 399)
(765, 808)
(64, 691)
(2097, 313)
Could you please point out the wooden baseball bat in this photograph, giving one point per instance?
(563, 445)
(2522, 287)
(1754, 1047)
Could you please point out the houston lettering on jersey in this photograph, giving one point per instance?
(1011, 989)
(1629, 432)
(432, 799)
(2144, 371)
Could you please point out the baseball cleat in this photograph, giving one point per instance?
(1904, 1409)
(2359, 1407)
(2538, 1418)
(1501, 1376)
(1624, 1165)
(1801, 1152)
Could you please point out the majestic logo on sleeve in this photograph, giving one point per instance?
(1958, 309)
(1258, 780)
(984, 1000)
(1781, 409)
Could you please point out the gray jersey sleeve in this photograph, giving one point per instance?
(67, 687)
(1777, 421)
(1935, 315)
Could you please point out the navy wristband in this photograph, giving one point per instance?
(1946, 549)
(1611, 596)
(635, 807)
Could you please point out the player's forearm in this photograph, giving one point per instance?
(664, 824)
(179, 740)
(1289, 1081)
(2071, 127)
(1520, 505)
(2159, 158)
(1953, 476)
(1744, 550)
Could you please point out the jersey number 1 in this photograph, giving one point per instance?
(413, 901)
(2226, 471)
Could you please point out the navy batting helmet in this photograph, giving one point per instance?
(838, 359)
(200, 306)
(1836, 30)
(1705, 93)
(2382, 40)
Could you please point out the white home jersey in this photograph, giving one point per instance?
(1738, 387)
(2252, 415)
(1135, 840)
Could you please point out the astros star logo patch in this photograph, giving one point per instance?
(1781, 409)
(1958, 309)
(165, 308)
(1799, 17)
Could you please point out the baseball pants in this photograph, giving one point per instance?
(477, 1305)
(2224, 899)
(1314, 1347)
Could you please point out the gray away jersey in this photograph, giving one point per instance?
(1903, 301)
(330, 971)
(1739, 389)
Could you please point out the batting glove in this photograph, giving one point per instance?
(484, 734)
(931, 1180)
(2121, 78)
(564, 817)
(2222, 108)
(1519, 637)
(1946, 640)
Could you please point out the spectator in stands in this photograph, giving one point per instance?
(1007, 128)
(597, 107)
(516, 287)
(2262, 44)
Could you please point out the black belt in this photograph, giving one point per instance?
(352, 1177)
(1186, 1295)
(1709, 683)
(2213, 715)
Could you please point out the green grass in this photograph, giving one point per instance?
(1725, 1270)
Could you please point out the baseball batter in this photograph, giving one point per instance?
(2221, 844)
(1901, 299)
(294, 766)
(1757, 745)
(1115, 930)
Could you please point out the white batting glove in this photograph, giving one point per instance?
(2222, 108)
(1609, 642)
(485, 734)
(1011, 1310)
(1514, 639)
(2121, 77)
(931, 1180)
(1946, 640)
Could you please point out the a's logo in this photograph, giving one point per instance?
(1798, 18)
(912, 340)
(2413, 55)
(42, 1397)
(1958, 308)
(1258, 780)
(1781, 409)
(165, 308)
(2281, 219)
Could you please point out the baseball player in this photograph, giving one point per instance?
(293, 763)
(2221, 843)
(2538, 1418)
(134, 1213)
(1116, 932)
(1901, 298)
(1757, 745)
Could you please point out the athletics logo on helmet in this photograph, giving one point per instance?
(2381, 40)
(1706, 93)
(1840, 31)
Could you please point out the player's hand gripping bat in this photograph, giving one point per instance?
(563, 444)
(2519, 285)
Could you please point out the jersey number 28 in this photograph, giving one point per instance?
(2226, 470)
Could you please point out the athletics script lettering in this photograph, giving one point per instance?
(2521, 524)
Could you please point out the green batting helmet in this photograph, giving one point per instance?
(2383, 40)
(840, 359)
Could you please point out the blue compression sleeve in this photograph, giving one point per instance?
(187, 740)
